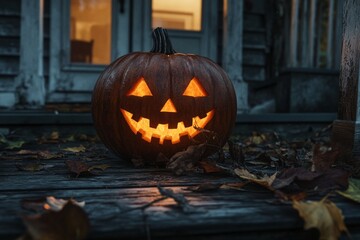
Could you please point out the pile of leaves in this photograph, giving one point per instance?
(293, 170)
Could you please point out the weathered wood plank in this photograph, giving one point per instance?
(254, 73)
(294, 30)
(312, 32)
(330, 50)
(304, 33)
(30, 81)
(10, 8)
(9, 65)
(233, 59)
(9, 46)
(220, 212)
(346, 128)
(10, 26)
(338, 33)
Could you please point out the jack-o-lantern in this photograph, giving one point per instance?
(145, 103)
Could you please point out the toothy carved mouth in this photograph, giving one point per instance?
(162, 131)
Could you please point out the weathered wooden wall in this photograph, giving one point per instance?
(9, 50)
(10, 31)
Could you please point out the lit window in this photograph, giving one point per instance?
(90, 35)
(176, 14)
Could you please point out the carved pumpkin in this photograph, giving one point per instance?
(145, 103)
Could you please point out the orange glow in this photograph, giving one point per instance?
(140, 89)
(162, 131)
(168, 106)
(194, 89)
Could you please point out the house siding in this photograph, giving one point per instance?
(9, 50)
(10, 20)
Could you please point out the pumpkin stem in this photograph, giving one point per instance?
(161, 42)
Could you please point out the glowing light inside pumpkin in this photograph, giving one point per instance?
(194, 89)
(140, 89)
(168, 106)
(162, 131)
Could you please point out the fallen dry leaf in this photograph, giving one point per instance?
(71, 223)
(10, 144)
(39, 154)
(77, 167)
(33, 167)
(48, 155)
(43, 204)
(265, 181)
(101, 167)
(323, 215)
(54, 135)
(80, 167)
(301, 179)
(56, 204)
(353, 191)
(26, 152)
(290, 196)
(78, 149)
(81, 148)
(185, 161)
(210, 167)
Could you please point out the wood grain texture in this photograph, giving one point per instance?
(30, 81)
(114, 211)
(114, 198)
(350, 62)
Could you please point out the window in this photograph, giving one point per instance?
(178, 15)
(90, 31)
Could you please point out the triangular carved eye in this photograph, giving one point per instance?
(194, 89)
(140, 89)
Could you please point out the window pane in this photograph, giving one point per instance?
(90, 34)
(177, 14)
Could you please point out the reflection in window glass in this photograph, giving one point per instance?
(177, 14)
(90, 34)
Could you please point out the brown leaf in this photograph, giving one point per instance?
(290, 197)
(26, 152)
(323, 215)
(56, 204)
(301, 179)
(78, 149)
(265, 181)
(210, 167)
(204, 187)
(287, 176)
(185, 161)
(324, 157)
(71, 223)
(77, 167)
(54, 135)
(39, 154)
(353, 191)
(101, 167)
(33, 167)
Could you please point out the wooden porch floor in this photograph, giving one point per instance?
(114, 198)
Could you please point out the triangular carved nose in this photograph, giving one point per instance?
(168, 106)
